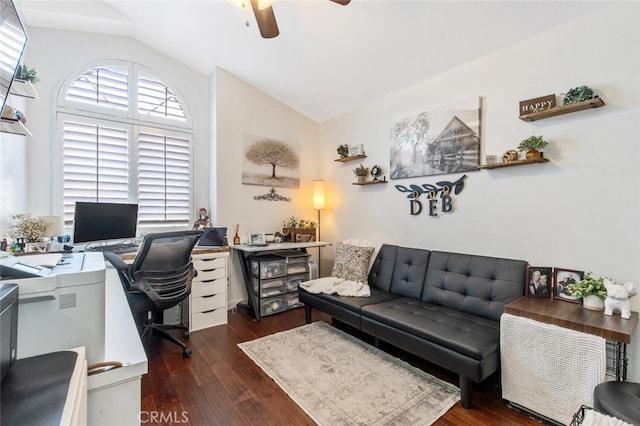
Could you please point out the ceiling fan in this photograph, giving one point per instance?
(266, 19)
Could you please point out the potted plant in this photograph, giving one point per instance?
(533, 145)
(26, 73)
(298, 230)
(343, 150)
(361, 172)
(591, 290)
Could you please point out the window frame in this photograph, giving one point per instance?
(69, 110)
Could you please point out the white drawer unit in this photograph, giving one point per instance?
(208, 298)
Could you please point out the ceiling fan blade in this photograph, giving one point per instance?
(266, 20)
(342, 2)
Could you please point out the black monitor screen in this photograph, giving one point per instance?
(104, 221)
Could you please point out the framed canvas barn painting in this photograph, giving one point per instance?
(446, 140)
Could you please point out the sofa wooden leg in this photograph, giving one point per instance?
(307, 314)
(466, 386)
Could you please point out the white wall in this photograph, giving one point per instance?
(242, 109)
(579, 211)
(57, 54)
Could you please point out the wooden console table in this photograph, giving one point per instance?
(574, 317)
(554, 353)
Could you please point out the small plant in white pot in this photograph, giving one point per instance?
(361, 173)
(591, 290)
(533, 145)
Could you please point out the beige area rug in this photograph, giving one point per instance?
(340, 380)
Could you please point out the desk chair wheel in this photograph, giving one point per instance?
(186, 334)
(186, 353)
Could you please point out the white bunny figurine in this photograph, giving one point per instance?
(618, 298)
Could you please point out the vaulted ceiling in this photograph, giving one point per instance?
(328, 59)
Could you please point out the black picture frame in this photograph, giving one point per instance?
(563, 277)
(539, 281)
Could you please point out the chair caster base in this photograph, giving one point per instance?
(186, 353)
(186, 334)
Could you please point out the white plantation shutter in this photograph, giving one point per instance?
(105, 86)
(156, 99)
(143, 157)
(163, 178)
(95, 164)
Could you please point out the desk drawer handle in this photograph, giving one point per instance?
(209, 295)
(212, 310)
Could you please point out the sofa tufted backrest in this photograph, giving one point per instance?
(382, 270)
(477, 285)
(409, 272)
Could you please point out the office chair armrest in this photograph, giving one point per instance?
(116, 261)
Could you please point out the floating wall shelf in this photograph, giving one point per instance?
(563, 109)
(514, 163)
(352, 158)
(23, 88)
(13, 126)
(370, 182)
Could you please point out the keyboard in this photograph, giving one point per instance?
(116, 248)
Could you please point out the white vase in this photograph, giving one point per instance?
(593, 302)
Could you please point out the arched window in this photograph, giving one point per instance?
(127, 138)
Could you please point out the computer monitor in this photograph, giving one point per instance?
(93, 222)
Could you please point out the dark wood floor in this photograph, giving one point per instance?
(219, 385)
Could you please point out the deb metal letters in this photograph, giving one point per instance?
(440, 194)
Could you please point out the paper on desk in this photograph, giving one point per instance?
(48, 260)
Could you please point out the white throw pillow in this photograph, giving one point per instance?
(352, 262)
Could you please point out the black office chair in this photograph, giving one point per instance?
(158, 279)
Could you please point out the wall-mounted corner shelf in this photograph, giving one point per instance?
(514, 163)
(23, 88)
(563, 109)
(15, 127)
(352, 158)
(371, 182)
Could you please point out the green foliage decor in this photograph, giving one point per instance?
(343, 150)
(361, 170)
(533, 142)
(577, 94)
(588, 286)
(26, 73)
(293, 223)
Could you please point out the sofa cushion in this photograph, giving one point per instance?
(409, 272)
(463, 333)
(377, 245)
(352, 262)
(477, 285)
(382, 271)
(354, 304)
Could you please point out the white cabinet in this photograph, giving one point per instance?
(208, 298)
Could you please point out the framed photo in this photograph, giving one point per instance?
(257, 239)
(490, 159)
(539, 281)
(564, 277)
(353, 150)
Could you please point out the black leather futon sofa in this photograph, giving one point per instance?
(444, 307)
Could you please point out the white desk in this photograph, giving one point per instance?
(115, 395)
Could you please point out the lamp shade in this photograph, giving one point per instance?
(319, 198)
(55, 226)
